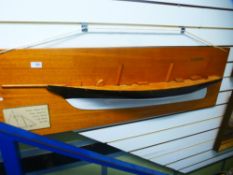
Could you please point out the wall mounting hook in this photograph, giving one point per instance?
(182, 29)
(84, 27)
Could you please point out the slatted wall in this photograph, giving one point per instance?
(181, 141)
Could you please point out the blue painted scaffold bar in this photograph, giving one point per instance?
(10, 136)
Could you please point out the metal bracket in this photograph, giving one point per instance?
(182, 30)
(84, 27)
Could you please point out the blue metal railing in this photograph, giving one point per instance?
(10, 136)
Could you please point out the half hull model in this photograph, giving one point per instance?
(135, 91)
(131, 83)
(122, 95)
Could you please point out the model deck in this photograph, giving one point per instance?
(152, 90)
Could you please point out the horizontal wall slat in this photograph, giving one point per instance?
(183, 153)
(230, 56)
(227, 84)
(140, 142)
(228, 70)
(209, 3)
(174, 145)
(223, 97)
(194, 160)
(118, 12)
(207, 162)
(120, 132)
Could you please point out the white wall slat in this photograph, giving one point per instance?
(173, 146)
(204, 3)
(112, 11)
(228, 70)
(223, 97)
(207, 162)
(230, 56)
(193, 160)
(154, 125)
(183, 153)
(227, 84)
(140, 142)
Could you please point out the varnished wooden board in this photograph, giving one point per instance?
(226, 145)
(112, 65)
(64, 117)
(115, 66)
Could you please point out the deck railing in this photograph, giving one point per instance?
(10, 136)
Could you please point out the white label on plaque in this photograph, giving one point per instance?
(36, 65)
(28, 118)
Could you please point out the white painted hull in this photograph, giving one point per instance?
(108, 103)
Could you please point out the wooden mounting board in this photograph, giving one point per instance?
(64, 117)
(112, 65)
(87, 66)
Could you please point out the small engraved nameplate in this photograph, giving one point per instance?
(36, 65)
(28, 118)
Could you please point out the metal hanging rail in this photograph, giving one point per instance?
(145, 29)
(10, 136)
(115, 24)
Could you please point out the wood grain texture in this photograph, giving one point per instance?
(64, 117)
(89, 66)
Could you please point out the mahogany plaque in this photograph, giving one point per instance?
(25, 75)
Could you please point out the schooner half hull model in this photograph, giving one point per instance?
(93, 87)
(117, 97)
(153, 90)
